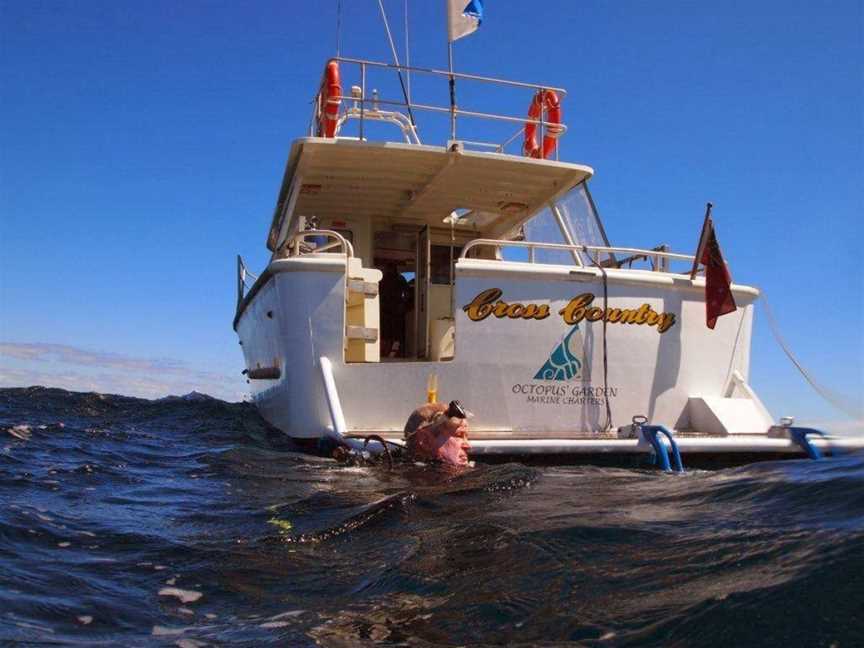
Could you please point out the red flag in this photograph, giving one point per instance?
(718, 282)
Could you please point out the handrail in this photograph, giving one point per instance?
(456, 75)
(341, 241)
(242, 273)
(410, 133)
(365, 106)
(663, 267)
(562, 128)
(515, 136)
(391, 117)
(533, 245)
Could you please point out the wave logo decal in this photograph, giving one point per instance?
(562, 363)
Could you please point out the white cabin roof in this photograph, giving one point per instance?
(337, 178)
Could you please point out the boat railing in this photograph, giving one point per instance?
(242, 286)
(659, 257)
(307, 242)
(316, 241)
(362, 105)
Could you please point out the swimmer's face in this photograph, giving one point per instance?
(455, 451)
(445, 439)
(454, 445)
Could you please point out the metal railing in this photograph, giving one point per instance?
(659, 257)
(242, 286)
(365, 107)
(301, 246)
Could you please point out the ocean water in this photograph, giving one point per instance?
(188, 522)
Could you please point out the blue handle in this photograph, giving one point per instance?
(660, 450)
(676, 455)
(651, 432)
(799, 436)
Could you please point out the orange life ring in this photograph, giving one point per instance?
(544, 100)
(328, 101)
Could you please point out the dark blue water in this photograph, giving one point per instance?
(187, 522)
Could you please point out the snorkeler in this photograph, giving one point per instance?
(439, 433)
(435, 433)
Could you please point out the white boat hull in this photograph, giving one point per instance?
(686, 377)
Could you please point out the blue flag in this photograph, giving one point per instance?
(463, 17)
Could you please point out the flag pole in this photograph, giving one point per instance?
(463, 18)
(452, 88)
(700, 248)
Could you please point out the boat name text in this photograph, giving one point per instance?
(578, 309)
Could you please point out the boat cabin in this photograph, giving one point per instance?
(407, 213)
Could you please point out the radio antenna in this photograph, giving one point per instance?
(338, 28)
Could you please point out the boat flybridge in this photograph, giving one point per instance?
(485, 265)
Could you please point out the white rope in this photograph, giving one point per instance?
(396, 60)
(407, 55)
(845, 405)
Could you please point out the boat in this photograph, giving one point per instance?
(486, 266)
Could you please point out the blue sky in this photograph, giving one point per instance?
(142, 146)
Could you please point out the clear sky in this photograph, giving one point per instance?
(142, 146)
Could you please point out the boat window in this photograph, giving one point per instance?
(543, 228)
(583, 224)
(580, 215)
(440, 263)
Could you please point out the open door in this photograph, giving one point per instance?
(421, 294)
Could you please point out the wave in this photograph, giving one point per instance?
(188, 519)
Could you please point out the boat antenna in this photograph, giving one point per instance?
(396, 59)
(338, 28)
(407, 55)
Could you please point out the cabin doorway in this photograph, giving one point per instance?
(395, 255)
(418, 325)
(421, 292)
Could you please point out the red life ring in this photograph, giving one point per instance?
(544, 100)
(328, 101)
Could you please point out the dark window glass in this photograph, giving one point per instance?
(440, 263)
